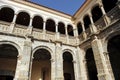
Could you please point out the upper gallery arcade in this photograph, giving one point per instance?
(39, 43)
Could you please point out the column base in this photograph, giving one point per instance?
(106, 19)
(104, 76)
(11, 27)
(59, 78)
(21, 78)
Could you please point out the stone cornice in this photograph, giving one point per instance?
(46, 9)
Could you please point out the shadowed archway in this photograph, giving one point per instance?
(114, 55)
(8, 61)
(41, 67)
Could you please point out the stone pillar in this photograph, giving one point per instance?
(57, 33)
(29, 29)
(44, 26)
(76, 69)
(75, 32)
(13, 23)
(44, 29)
(66, 32)
(92, 27)
(118, 3)
(53, 69)
(59, 62)
(103, 72)
(81, 64)
(22, 72)
(105, 17)
(83, 28)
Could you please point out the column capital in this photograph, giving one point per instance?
(19, 57)
(52, 60)
(90, 15)
(74, 61)
(82, 22)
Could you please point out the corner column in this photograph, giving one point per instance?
(92, 27)
(83, 28)
(81, 64)
(29, 29)
(105, 17)
(57, 32)
(103, 72)
(13, 23)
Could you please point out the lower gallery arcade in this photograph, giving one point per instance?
(44, 64)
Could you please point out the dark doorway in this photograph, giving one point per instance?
(6, 77)
(109, 4)
(86, 21)
(91, 66)
(114, 55)
(41, 67)
(6, 14)
(68, 67)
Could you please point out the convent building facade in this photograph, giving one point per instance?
(39, 43)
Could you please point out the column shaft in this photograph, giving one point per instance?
(24, 65)
(103, 72)
(81, 65)
(105, 17)
(92, 27)
(13, 23)
(59, 62)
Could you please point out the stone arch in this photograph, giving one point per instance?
(68, 65)
(113, 49)
(9, 52)
(79, 28)
(70, 30)
(108, 7)
(96, 12)
(91, 66)
(61, 27)
(13, 44)
(6, 14)
(108, 37)
(86, 20)
(41, 65)
(37, 22)
(70, 51)
(13, 8)
(23, 18)
(50, 25)
(43, 47)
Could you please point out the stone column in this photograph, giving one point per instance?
(13, 23)
(92, 27)
(44, 29)
(24, 62)
(53, 69)
(105, 17)
(59, 62)
(29, 29)
(44, 26)
(81, 64)
(57, 33)
(103, 72)
(118, 3)
(83, 28)
(67, 36)
(76, 69)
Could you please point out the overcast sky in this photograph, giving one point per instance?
(66, 6)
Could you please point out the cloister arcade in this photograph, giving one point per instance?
(94, 58)
(23, 18)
